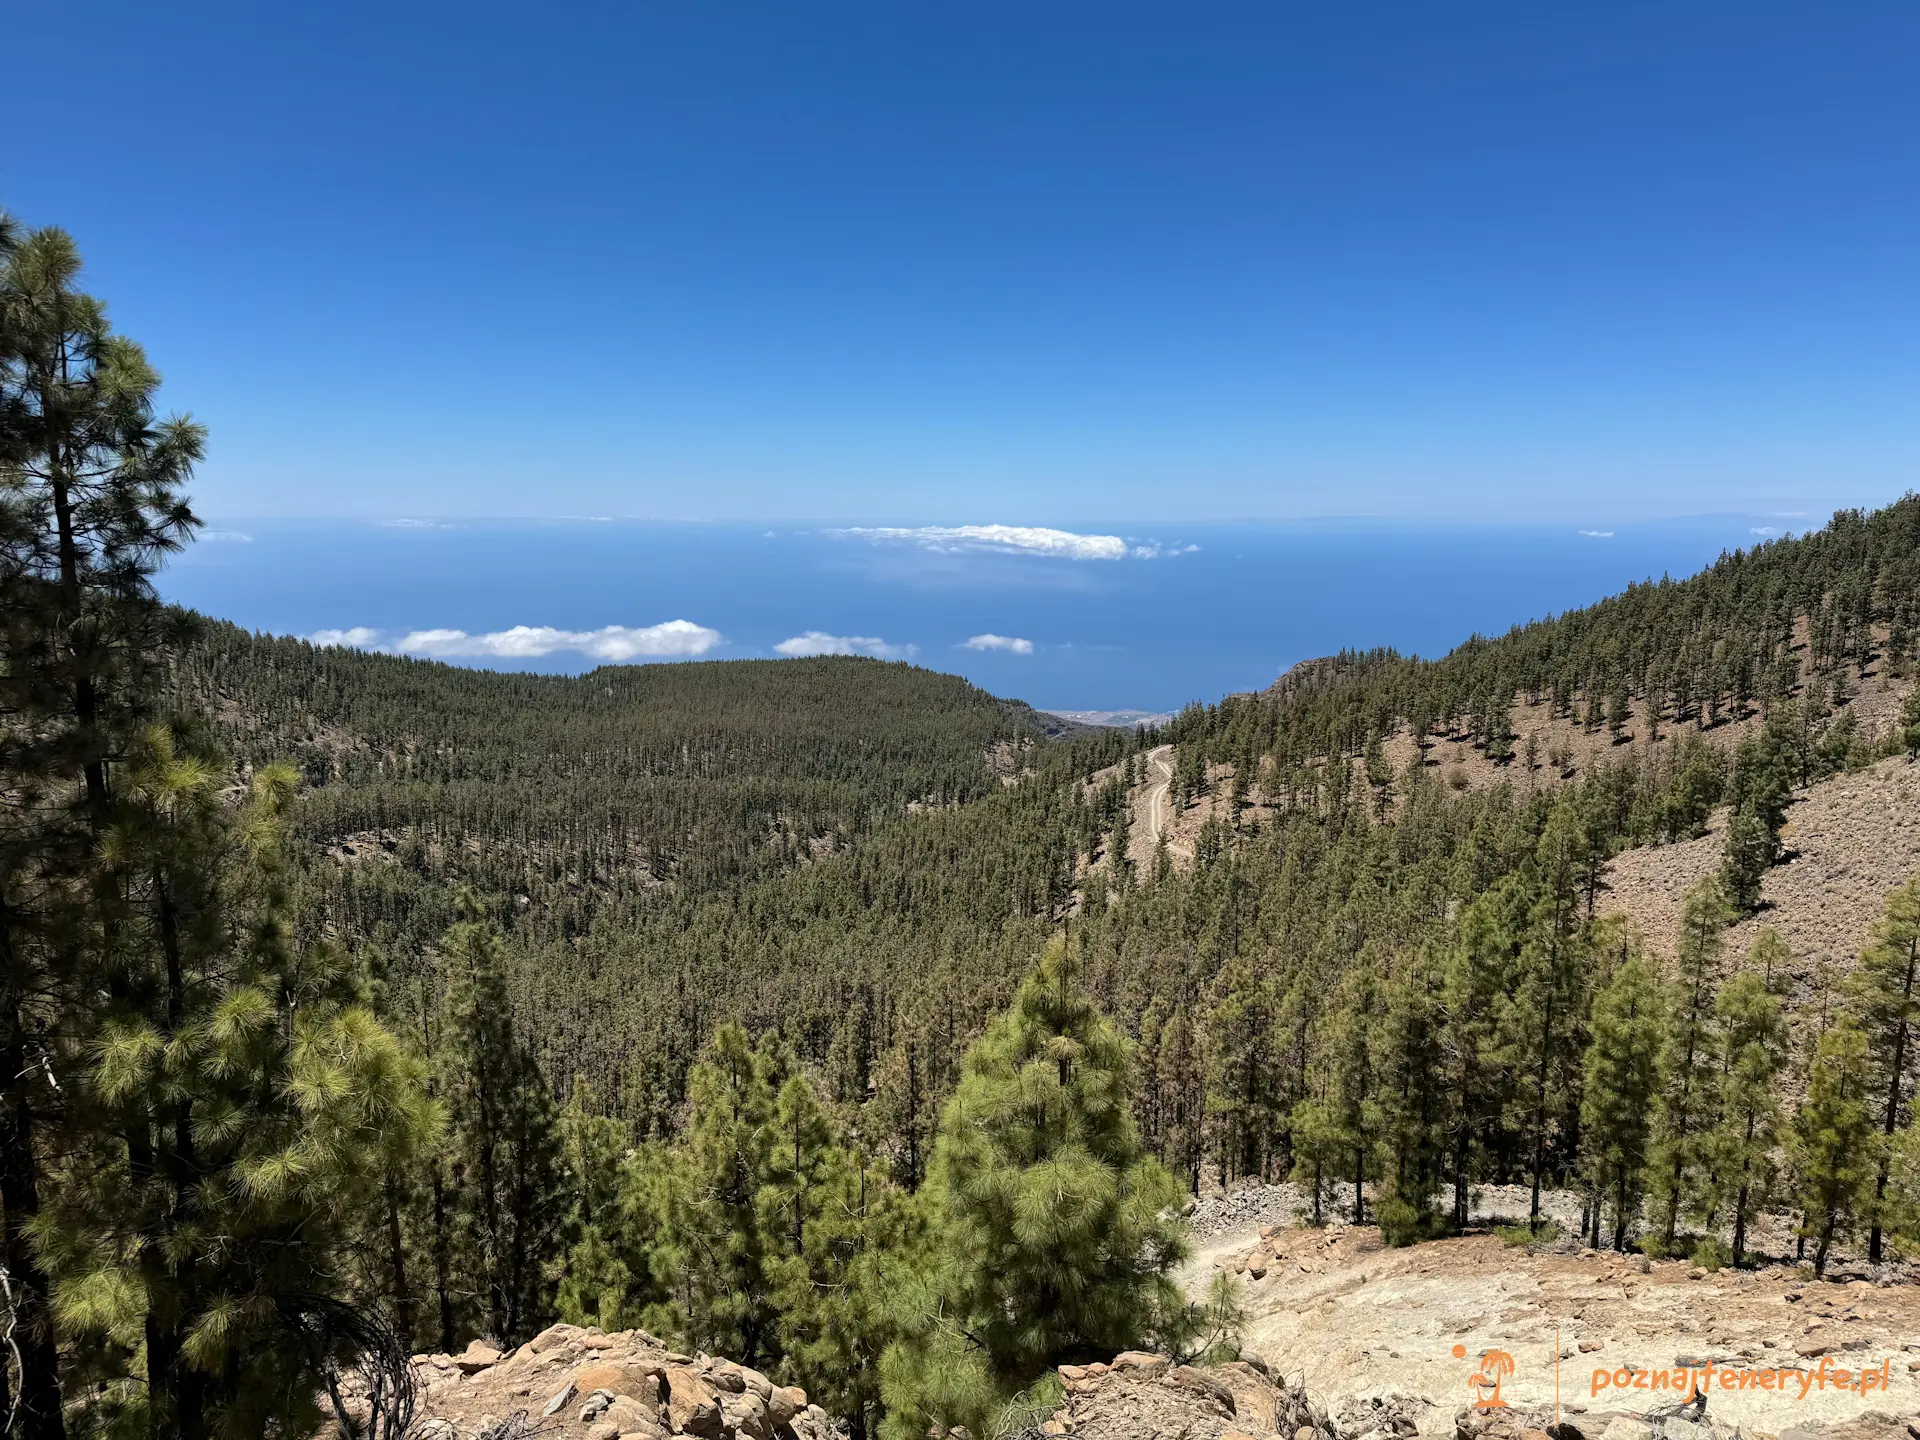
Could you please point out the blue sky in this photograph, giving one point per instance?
(1012, 263)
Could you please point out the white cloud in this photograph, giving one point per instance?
(818, 642)
(230, 537)
(358, 638)
(1762, 530)
(1598, 534)
(1004, 539)
(670, 640)
(406, 522)
(1010, 643)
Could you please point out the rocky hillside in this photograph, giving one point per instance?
(1390, 1341)
(1849, 841)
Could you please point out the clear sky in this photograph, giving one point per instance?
(1001, 262)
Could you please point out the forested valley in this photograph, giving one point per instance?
(354, 1004)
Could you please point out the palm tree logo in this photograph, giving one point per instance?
(1495, 1366)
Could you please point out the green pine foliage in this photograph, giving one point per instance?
(1752, 1034)
(1834, 1151)
(1047, 1216)
(239, 1088)
(1622, 1078)
(1689, 1108)
(502, 1165)
(1884, 994)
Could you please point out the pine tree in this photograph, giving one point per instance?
(395, 1229)
(506, 1225)
(1241, 1085)
(1753, 1038)
(1689, 1107)
(89, 505)
(836, 1236)
(1415, 1099)
(1049, 1234)
(713, 1249)
(1542, 1023)
(1885, 995)
(597, 1284)
(239, 1097)
(1834, 1150)
(1477, 972)
(1622, 1077)
(1749, 855)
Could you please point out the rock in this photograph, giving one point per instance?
(1140, 1360)
(476, 1357)
(1589, 1347)
(692, 1406)
(786, 1402)
(1625, 1427)
(1198, 1383)
(1812, 1349)
(639, 1378)
(552, 1337)
(596, 1406)
(438, 1429)
(606, 1430)
(746, 1414)
(1054, 1426)
(1073, 1374)
(561, 1397)
(597, 1341)
(1254, 1401)
(757, 1383)
(1306, 1432)
(635, 1417)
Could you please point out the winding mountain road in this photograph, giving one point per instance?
(1159, 794)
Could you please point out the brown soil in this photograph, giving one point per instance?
(1850, 840)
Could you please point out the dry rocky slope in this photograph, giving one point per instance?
(1390, 1340)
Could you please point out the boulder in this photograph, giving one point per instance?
(476, 1357)
(1141, 1361)
(552, 1337)
(635, 1417)
(746, 1415)
(640, 1378)
(786, 1402)
(756, 1382)
(692, 1406)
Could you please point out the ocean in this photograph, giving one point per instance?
(1086, 617)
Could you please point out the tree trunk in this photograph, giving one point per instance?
(39, 1416)
(1540, 1111)
(406, 1313)
(443, 1259)
(1893, 1106)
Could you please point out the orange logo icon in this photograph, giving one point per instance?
(1495, 1366)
